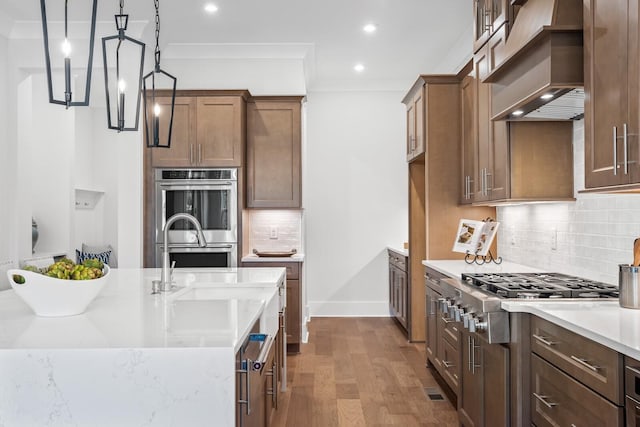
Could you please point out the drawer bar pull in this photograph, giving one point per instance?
(544, 340)
(584, 363)
(447, 364)
(447, 321)
(544, 400)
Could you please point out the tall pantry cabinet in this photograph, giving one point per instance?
(434, 121)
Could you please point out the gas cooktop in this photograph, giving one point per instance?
(540, 285)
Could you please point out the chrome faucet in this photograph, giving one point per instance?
(165, 278)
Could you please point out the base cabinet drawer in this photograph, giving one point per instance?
(451, 365)
(594, 365)
(559, 400)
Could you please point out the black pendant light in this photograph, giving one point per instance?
(123, 89)
(67, 50)
(154, 116)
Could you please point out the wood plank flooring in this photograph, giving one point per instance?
(359, 372)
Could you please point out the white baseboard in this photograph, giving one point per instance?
(348, 309)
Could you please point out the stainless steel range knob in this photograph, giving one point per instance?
(444, 307)
(482, 326)
(473, 324)
(452, 311)
(466, 319)
(459, 314)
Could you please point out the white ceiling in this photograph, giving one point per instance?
(413, 36)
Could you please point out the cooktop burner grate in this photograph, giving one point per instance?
(540, 285)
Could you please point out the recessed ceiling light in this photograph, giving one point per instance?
(370, 28)
(210, 8)
(359, 68)
(547, 96)
(518, 113)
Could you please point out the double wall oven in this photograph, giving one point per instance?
(211, 196)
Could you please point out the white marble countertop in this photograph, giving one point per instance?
(404, 252)
(604, 322)
(127, 315)
(256, 258)
(133, 358)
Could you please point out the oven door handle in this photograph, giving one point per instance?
(193, 187)
(208, 248)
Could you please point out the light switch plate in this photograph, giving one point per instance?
(273, 233)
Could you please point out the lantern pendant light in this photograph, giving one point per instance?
(153, 112)
(128, 79)
(67, 50)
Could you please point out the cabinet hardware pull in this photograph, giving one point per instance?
(469, 352)
(473, 356)
(447, 321)
(447, 364)
(543, 399)
(489, 174)
(615, 150)
(247, 384)
(584, 363)
(544, 340)
(190, 154)
(199, 153)
(625, 148)
(636, 372)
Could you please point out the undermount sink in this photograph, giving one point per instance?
(214, 308)
(207, 292)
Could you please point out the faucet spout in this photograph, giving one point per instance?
(165, 278)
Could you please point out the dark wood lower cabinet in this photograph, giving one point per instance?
(294, 301)
(559, 400)
(484, 390)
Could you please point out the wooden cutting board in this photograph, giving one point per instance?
(274, 254)
(636, 252)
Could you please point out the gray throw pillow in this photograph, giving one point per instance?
(113, 260)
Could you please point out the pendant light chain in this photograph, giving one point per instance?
(157, 51)
(66, 21)
(121, 7)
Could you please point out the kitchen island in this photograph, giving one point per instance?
(133, 358)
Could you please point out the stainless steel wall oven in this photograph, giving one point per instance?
(210, 195)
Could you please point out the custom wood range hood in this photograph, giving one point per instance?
(542, 56)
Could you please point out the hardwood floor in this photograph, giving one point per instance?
(359, 372)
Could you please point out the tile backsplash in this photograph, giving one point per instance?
(586, 238)
(275, 230)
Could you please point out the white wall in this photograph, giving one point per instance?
(355, 199)
(594, 234)
(5, 155)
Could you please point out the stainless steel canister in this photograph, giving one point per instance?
(629, 283)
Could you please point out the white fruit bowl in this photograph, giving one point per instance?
(52, 297)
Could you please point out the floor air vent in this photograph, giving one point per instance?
(433, 393)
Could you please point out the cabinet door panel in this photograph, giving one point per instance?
(273, 154)
(633, 412)
(605, 42)
(469, 139)
(496, 392)
(483, 123)
(220, 131)
(183, 134)
(411, 130)
(470, 397)
(293, 312)
(419, 103)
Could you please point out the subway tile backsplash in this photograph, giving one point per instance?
(287, 225)
(591, 236)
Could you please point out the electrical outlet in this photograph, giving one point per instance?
(554, 239)
(512, 235)
(273, 232)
